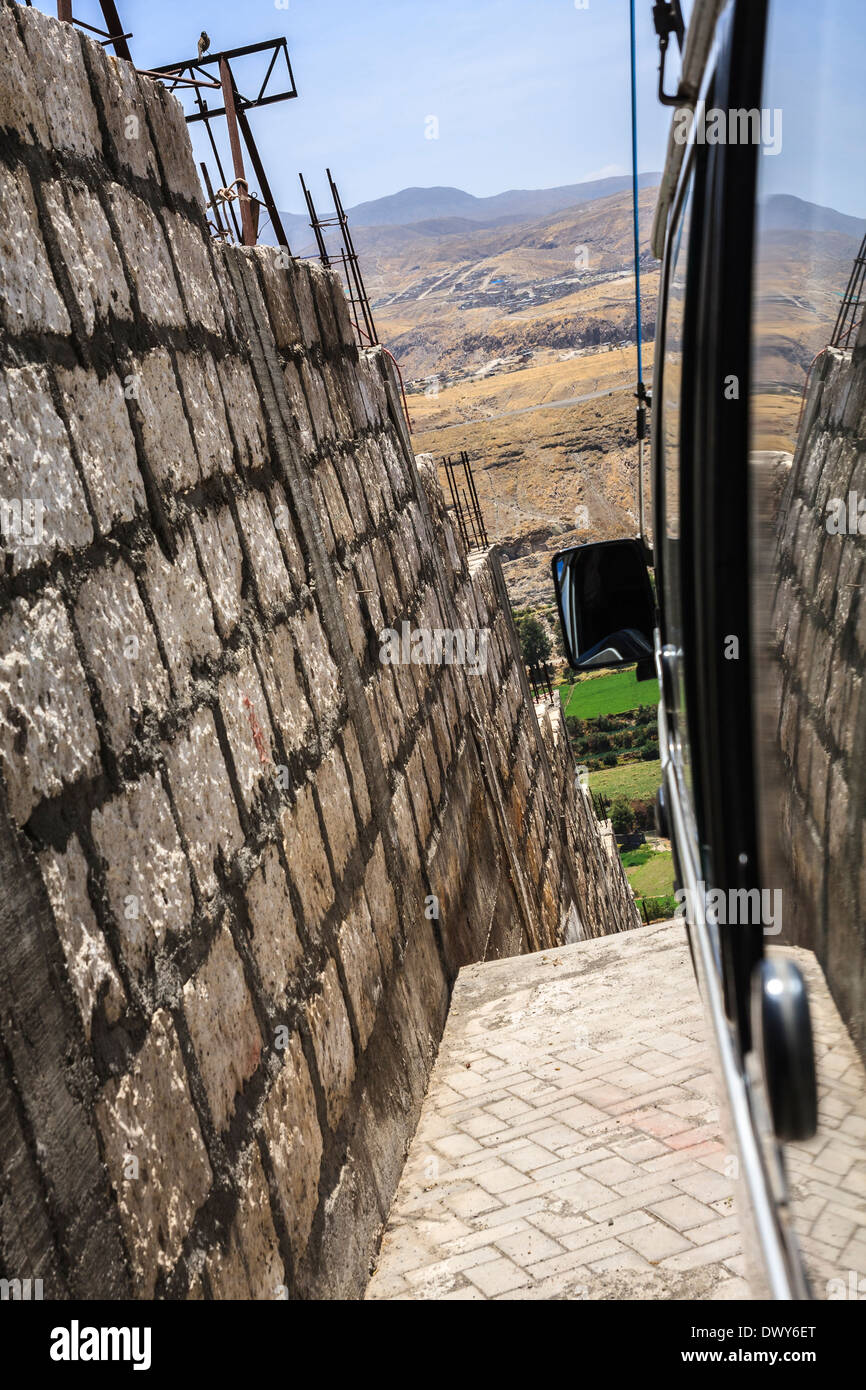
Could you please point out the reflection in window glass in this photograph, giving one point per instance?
(672, 382)
(807, 455)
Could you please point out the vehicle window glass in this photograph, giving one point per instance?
(806, 462)
(670, 405)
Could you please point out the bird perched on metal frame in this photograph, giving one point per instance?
(203, 44)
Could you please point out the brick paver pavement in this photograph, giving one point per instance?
(569, 1145)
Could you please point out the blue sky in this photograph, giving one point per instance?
(527, 93)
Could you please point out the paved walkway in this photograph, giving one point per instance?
(569, 1145)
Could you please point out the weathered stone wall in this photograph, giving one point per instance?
(242, 857)
(820, 626)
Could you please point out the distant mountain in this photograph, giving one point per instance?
(518, 204)
(784, 213)
(444, 211)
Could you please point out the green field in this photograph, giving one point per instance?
(637, 781)
(653, 876)
(616, 692)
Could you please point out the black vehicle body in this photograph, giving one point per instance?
(703, 546)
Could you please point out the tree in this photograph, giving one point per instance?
(535, 643)
(622, 816)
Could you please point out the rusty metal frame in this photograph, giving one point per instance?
(113, 35)
(197, 73)
(356, 290)
(466, 503)
(846, 320)
(177, 72)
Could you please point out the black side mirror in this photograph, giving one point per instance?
(606, 605)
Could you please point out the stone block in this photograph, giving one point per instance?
(300, 411)
(20, 107)
(145, 251)
(203, 796)
(84, 237)
(273, 581)
(245, 715)
(121, 650)
(385, 727)
(411, 574)
(367, 586)
(48, 735)
(58, 78)
(323, 516)
(409, 680)
(407, 835)
(182, 609)
(146, 872)
(221, 560)
(396, 467)
(171, 138)
(245, 412)
(380, 899)
(373, 480)
(352, 753)
(347, 370)
(120, 95)
(338, 513)
(223, 255)
(332, 1042)
(307, 860)
(362, 967)
(279, 298)
(291, 711)
(168, 445)
(338, 402)
(322, 283)
(335, 799)
(190, 248)
(426, 749)
(206, 413)
(92, 972)
(353, 491)
(372, 388)
(250, 1266)
(149, 1128)
(291, 1134)
(420, 794)
(287, 534)
(323, 679)
(351, 606)
(43, 504)
(275, 944)
(30, 300)
(301, 277)
(313, 382)
(223, 1027)
(100, 429)
(441, 737)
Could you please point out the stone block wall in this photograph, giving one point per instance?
(242, 857)
(819, 627)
